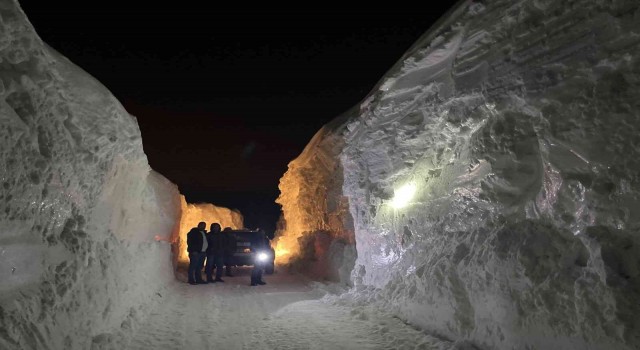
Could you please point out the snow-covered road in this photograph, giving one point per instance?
(287, 313)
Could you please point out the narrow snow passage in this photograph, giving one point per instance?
(287, 313)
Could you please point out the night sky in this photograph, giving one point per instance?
(225, 97)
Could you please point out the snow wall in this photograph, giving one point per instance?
(512, 129)
(315, 233)
(79, 205)
(192, 214)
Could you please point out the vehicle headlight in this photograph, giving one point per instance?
(262, 256)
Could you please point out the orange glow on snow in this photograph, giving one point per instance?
(310, 211)
(283, 255)
(192, 214)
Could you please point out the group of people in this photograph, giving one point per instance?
(213, 250)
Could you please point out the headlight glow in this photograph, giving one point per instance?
(262, 256)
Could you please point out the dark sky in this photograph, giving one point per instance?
(226, 96)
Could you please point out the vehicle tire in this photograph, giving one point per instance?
(270, 268)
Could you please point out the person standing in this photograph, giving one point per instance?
(260, 258)
(215, 253)
(197, 246)
(230, 248)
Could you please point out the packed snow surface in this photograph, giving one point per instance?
(287, 313)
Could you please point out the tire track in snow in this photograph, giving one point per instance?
(315, 324)
(285, 314)
(216, 316)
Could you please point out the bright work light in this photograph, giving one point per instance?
(403, 195)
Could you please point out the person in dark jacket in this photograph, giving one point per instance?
(215, 253)
(197, 246)
(261, 251)
(230, 248)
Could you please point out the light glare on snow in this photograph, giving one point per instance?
(403, 195)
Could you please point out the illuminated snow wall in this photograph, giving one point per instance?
(518, 126)
(192, 214)
(315, 233)
(79, 205)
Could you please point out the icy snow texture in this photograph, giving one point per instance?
(315, 233)
(79, 205)
(519, 124)
(192, 214)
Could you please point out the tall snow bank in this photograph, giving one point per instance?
(315, 232)
(192, 214)
(79, 205)
(512, 129)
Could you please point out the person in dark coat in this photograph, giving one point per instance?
(261, 251)
(197, 246)
(230, 248)
(215, 253)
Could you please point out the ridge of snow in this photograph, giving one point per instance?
(79, 205)
(518, 124)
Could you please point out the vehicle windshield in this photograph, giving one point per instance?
(247, 238)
